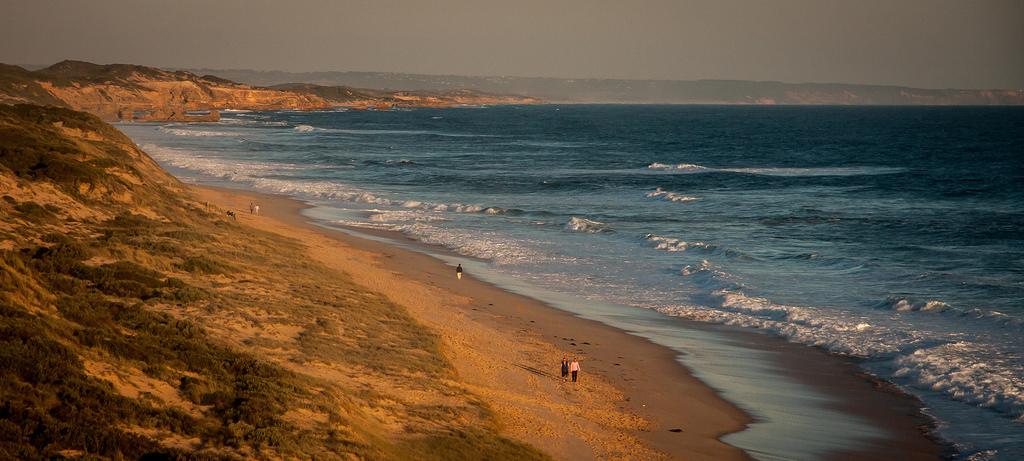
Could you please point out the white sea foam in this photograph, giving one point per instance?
(584, 225)
(250, 122)
(175, 130)
(670, 196)
(215, 167)
(674, 244)
(677, 168)
(489, 245)
(836, 331)
(401, 216)
(904, 305)
(954, 369)
(255, 174)
(709, 277)
(963, 370)
(306, 128)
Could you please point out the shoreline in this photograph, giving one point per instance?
(644, 371)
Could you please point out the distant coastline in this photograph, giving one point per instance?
(125, 92)
(624, 91)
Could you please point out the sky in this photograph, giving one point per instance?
(920, 43)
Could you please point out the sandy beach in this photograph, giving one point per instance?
(633, 400)
(507, 349)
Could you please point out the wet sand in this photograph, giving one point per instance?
(634, 399)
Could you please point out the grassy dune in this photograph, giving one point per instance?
(137, 323)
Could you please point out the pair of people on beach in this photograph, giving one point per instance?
(254, 208)
(570, 367)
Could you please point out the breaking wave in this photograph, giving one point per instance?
(587, 226)
(487, 245)
(670, 196)
(903, 304)
(671, 244)
(258, 175)
(963, 370)
(172, 129)
(674, 244)
(677, 168)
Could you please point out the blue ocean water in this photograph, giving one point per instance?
(892, 234)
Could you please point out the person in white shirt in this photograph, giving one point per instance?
(574, 368)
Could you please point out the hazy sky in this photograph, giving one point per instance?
(925, 43)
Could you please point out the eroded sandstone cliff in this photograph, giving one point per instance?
(128, 92)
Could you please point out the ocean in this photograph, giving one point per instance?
(894, 235)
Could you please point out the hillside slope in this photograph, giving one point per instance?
(136, 322)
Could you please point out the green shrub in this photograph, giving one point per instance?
(187, 236)
(194, 389)
(202, 265)
(127, 289)
(65, 284)
(34, 211)
(466, 445)
(187, 295)
(63, 258)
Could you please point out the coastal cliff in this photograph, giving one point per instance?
(130, 92)
(139, 322)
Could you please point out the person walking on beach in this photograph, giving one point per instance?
(458, 272)
(252, 208)
(256, 209)
(565, 367)
(574, 367)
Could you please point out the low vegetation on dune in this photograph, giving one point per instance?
(137, 323)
